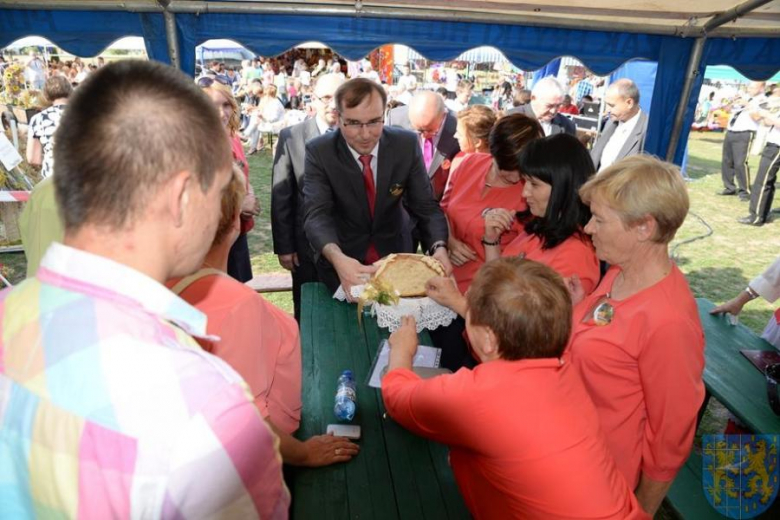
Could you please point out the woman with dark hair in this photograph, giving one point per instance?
(553, 168)
(40, 137)
(484, 181)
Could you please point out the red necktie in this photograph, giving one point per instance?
(368, 180)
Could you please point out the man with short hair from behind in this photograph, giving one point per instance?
(546, 98)
(108, 408)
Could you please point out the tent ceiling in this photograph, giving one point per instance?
(644, 16)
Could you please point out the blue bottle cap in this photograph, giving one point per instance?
(347, 373)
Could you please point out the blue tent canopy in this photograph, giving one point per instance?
(527, 45)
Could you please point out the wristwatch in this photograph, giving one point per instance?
(753, 294)
(437, 245)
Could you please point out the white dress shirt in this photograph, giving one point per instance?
(547, 127)
(618, 139)
(741, 121)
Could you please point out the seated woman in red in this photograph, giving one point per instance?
(553, 168)
(524, 436)
(258, 340)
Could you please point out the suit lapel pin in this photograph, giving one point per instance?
(396, 190)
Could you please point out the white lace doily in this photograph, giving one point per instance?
(428, 314)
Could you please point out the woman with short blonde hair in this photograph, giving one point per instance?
(473, 132)
(637, 340)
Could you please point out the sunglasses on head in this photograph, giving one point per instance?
(207, 81)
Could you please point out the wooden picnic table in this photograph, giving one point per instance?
(729, 376)
(396, 474)
(741, 388)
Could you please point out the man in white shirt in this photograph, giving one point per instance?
(462, 96)
(763, 189)
(624, 133)
(407, 81)
(739, 137)
(370, 73)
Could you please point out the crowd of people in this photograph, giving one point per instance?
(162, 386)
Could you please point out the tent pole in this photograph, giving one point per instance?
(690, 77)
(732, 14)
(170, 36)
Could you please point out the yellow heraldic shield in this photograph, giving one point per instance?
(740, 473)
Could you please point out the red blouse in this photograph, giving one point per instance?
(644, 373)
(575, 255)
(524, 438)
(464, 202)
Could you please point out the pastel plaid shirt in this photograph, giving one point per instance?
(109, 409)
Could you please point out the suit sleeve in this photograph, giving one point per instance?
(318, 204)
(283, 197)
(422, 205)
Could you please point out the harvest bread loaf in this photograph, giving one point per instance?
(407, 273)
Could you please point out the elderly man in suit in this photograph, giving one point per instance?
(624, 133)
(546, 98)
(356, 181)
(435, 126)
(290, 243)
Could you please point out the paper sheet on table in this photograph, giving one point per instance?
(426, 357)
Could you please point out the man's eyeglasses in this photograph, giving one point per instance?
(325, 99)
(356, 125)
(207, 81)
(601, 313)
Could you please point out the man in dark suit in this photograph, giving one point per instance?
(624, 133)
(356, 181)
(290, 243)
(546, 98)
(427, 115)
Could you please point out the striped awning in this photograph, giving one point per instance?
(484, 54)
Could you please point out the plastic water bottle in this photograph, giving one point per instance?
(346, 397)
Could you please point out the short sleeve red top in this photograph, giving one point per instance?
(644, 373)
(575, 255)
(524, 438)
(464, 202)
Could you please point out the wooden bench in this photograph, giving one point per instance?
(735, 382)
(273, 282)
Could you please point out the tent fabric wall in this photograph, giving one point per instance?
(527, 47)
(85, 33)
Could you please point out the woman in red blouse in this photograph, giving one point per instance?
(239, 263)
(554, 168)
(481, 182)
(473, 132)
(524, 437)
(637, 340)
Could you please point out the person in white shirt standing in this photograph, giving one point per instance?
(763, 190)
(624, 133)
(739, 137)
